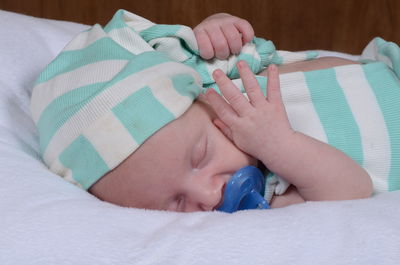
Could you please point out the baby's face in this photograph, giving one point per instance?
(183, 167)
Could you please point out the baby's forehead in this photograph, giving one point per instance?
(194, 120)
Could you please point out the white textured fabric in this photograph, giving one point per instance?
(45, 220)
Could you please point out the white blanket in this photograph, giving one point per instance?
(45, 220)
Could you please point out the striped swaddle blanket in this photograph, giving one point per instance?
(354, 108)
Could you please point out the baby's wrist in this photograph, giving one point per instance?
(275, 154)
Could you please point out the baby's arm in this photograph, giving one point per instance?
(221, 35)
(260, 127)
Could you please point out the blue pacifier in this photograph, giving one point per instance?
(244, 190)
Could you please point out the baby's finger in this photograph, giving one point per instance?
(233, 37)
(205, 47)
(232, 94)
(223, 110)
(250, 84)
(246, 29)
(223, 128)
(273, 86)
(219, 43)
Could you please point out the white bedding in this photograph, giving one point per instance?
(45, 220)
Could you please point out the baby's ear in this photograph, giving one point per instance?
(223, 128)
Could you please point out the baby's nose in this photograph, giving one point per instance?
(205, 193)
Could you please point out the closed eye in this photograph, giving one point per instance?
(199, 152)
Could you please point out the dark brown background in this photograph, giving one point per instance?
(341, 25)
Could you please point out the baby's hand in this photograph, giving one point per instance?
(221, 35)
(258, 126)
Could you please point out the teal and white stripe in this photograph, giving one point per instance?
(386, 88)
(46, 93)
(371, 123)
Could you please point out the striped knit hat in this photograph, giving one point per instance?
(103, 96)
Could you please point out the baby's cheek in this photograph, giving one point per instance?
(237, 154)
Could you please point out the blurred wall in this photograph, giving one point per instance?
(341, 25)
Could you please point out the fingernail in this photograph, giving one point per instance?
(240, 64)
(272, 67)
(217, 73)
(209, 91)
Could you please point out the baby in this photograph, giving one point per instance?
(181, 162)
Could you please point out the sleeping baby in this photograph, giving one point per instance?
(160, 116)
